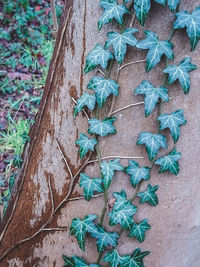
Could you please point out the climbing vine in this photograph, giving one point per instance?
(100, 88)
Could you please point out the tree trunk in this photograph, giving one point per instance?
(28, 237)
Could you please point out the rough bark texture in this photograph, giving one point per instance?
(174, 237)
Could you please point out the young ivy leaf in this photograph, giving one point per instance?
(103, 88)
(138, 230)
(115, 259)
(156, 49)
(137, 173)
(111, 11)
(153, 143)
(103, 127)
(85, 144)
(90, 185)
(104, 238)
(180, 73)
(79, 228)
(172, 121)
(192, 24)
(136, 259)
(108, 170)
(169, 162)
(149, 195)
(85, 100)
(152, 95)
(98, 56)
(119, 42)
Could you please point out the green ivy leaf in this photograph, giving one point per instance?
(152, 95)
(172, 121)
(68, 261)
(137, 173)
(98, 56)
(115, 259)
(169, 162)
(136, 259)
(90, 185)
(119, 42)
(85, 100)
(138, 230)
(108, 170)
(192, 24)
(85, 144)
(79, 228)
(153, 143)
(149, 195)
(103, 88)
(77, 262)
(180, 73)
(173, 4)
(122, 212)
(156, 49)
(127, 1)
(103, 127)
(142, 8)
(104, 238)
(111, 11)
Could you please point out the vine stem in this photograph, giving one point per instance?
(115, 157)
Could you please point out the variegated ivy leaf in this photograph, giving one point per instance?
(79, 228)
(77, 262)
(169, 162)
(103, 127)
(104, 238)
(192, 24)
(180, 73)
(136, 259)
(108, 170)
(103, 88)
(98, 56)
(138, 230)
(152, 95)
(149, 195)
(90, 185)
(122, 212)
(137, 173)
(172, 121)
(119, 42)
(115, 259)
(153, 143)
(111, 11)
(85, 100)
(156, 49)
(85, 144)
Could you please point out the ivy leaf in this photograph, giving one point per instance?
(153, 143)
(98, 56)
(149, 195)
(122, 212)
(136, 259)
(79, 228)
(77, 262)
(173, 4)
(180, 73)
(152, 95)
(127, 1)
(142, 8)
(103, 88)
(111, 11)
(68, 261)
(114, 258)
(85, 144)
(108, 170)
(119, 42)
(137, 173)
(103, 127)
(90, 185)
(156, 49)
(192, 24)
(85, 100)
(104, 238)
(169, 162)
(172, 121)
(121, 200)
(138, 230)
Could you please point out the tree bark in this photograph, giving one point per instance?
(29, 234)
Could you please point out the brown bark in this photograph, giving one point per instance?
(174, 237)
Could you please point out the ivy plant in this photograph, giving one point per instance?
(121, 207)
